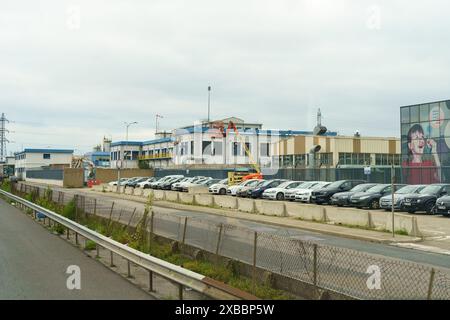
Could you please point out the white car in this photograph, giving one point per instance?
(233, 190)
(219, 188)
(146, 184)
(156, 184)
(278, 192)
(122, 182)
(177, 186)
(290, 194)
(304, 195)
(185, 186)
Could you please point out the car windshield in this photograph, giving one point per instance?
(335, 185)
(224, 181)
(252, 183)
(362, 187)
(408, 189)
(285, 184)
(377, 189)
(430, 190)
(261, 183)
(306, 185)
(320, 186)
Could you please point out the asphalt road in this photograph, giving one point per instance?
(33, 265)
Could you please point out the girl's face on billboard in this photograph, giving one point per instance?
(417, 144)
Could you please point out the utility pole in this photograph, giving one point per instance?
(209, 104)
(393, 198)
(158, 116)
(3, 140)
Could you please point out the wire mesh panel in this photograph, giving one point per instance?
(369, 276)
(167, 226)
(440, 288)
(202, 234)
(292, 258)
(237, 243)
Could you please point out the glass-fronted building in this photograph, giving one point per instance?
(425, 140)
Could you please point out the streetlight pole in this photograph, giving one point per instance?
(209, 104)
(122, 156)
(393, 191)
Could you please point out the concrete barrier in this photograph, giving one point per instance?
(159, 194)
(271, 208)
(306, 211)
(129, 191)
(172, 196)
(225, 202)
(403, 222)
(204, 200)
(122, 189)
(186, 198)
(138, 192)
(246, 205)
(198, 190)
(349, 216)
(147, 192)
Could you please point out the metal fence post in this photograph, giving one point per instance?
(76, 207)
(97, 248)
(180, 292)
(76, 238)
(219, 239)
(95, 206)
(431, 283)
(150, 238)
(184, 230)
(315, 265)
(255, 243)
(111, 259)
(128, 269)
(150, 281)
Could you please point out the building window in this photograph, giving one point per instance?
(192, 147)
(248, 148)
(217, 148)
(264, 149)
(300, 160)
(236, 147)
(326, 159)
(134, 155)
(46, 156)
(356, 159)
(206, 148)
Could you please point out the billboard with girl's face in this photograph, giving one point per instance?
(426, 143)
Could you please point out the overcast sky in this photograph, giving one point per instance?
(74, 71)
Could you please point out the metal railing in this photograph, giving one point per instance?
(183, 277)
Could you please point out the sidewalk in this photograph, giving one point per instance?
(335, 230)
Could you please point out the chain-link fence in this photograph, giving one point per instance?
(349, 272)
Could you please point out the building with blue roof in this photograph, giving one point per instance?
(32, 159)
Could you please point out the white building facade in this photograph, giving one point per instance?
(38, 158)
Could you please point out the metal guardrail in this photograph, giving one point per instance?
(174, 273)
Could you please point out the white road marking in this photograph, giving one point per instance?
(421, 247)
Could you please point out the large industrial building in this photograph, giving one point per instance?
(36, 159)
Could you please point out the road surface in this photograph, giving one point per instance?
(33, 265)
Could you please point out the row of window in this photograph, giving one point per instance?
(425, 112)
(45, 156)
(326, 159)
(215, 148)
(302, 160)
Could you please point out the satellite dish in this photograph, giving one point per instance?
(315, 149)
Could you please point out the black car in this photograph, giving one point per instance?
(443, 206)
(324, 195)
(134, 183)
(259, 190)
(341, 199)
(425, 200)
(168, 184)
(371, 198)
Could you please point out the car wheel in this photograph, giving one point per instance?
(222, 192)
(280, 196)
(429, 208)
(374, 205)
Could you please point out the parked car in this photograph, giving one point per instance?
(122, 181)
(399, 196)
(210, 182)
(176, 186)
(371, 198)
(324, 195)
(180, 186)
(219, 188)
(234, 189)
(243, 191)
(304, 193)
(290, 194)
(343, 198)
(443, 206)
(133, 183)
(169, 183)
(258, 191)
(146, 183)
(156, 184)
(425, 200)
(277, 193)
(185, 186)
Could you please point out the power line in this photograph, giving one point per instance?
(3, 139)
